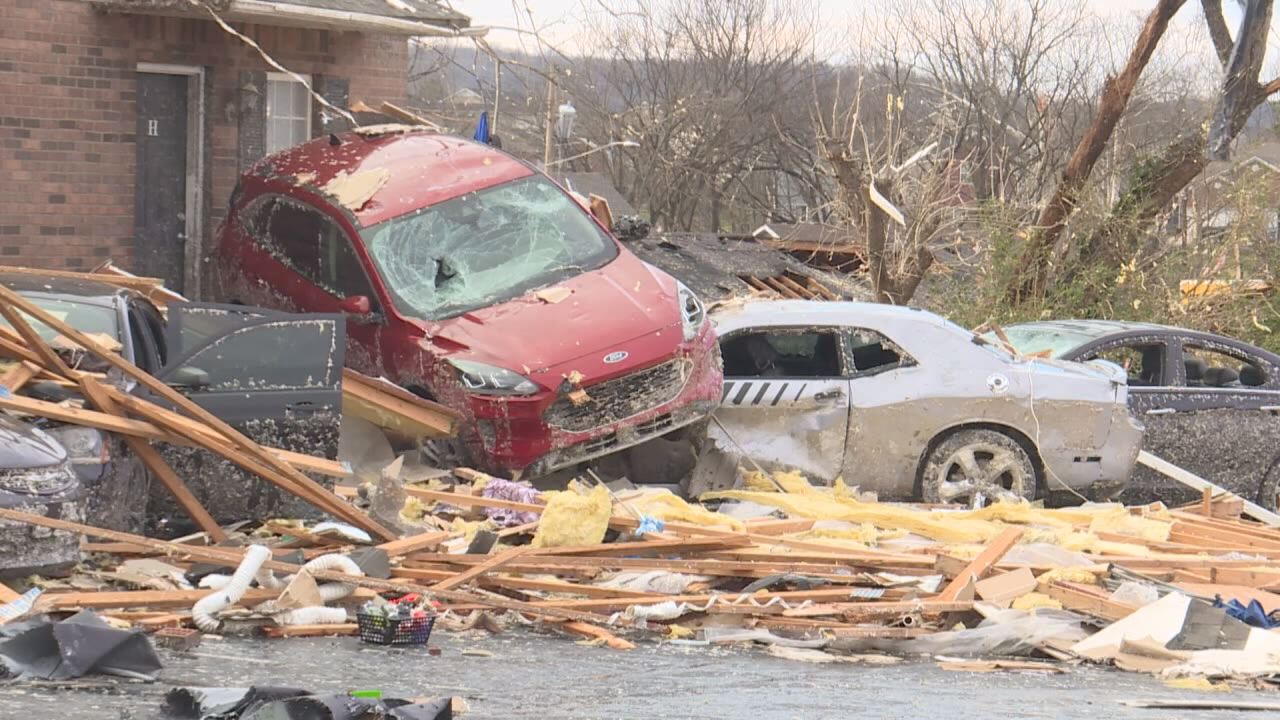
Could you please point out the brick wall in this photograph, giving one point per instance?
(68, 114)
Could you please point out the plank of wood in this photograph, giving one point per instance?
(875, 609)
(1268, 600)
(645, 547)
(231, 558)
(150, 599)
(1195, 482)
(463, 500)
(982, 564)
(288, 631)
(790, 596)
(394, 408)
(164, 620)
(135, 282)
(300, 485)
(160, 469)
(596, 632)
(19, 375)
(414, 543)
(779, 527)
(1264, 578)
(1093, 601)
(7, 595)
(492, 563)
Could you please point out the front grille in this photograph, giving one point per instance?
(616, 400)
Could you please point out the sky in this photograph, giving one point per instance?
(566, 22)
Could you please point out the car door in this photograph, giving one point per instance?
(786, 400)
(276, 377)
(883, 394)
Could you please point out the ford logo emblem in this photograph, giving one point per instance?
(616, 356)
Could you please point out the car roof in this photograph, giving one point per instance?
(784, 311)
(1094, 328)
(90, 292)
(423, 167)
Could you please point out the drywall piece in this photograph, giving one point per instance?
(1160, 621)
(353, 190)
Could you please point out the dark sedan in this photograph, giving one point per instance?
(1211, 404)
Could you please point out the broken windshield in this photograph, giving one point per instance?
(485, 247)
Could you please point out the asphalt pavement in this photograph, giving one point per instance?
(521, 674)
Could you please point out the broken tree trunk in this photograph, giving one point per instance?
(1037, 257)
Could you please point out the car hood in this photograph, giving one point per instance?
(23, 446)
(606, 308)
(1099, 369)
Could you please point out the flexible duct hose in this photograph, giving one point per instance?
(214, 582)
(205, 610)
(331, 592)
(268, 579)
(312, 616)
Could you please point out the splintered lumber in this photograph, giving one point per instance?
(158, 467)
(493, 563)
(1195, 482)
(1262, 578)
(646, 547)
(598, 633)
(231, 558)
(872, 610)
(150, 599)
(981, 565)
(19, 375)
(728, 598)
(414, 543)
(47, 357)
(393, 408)
(287, 631)
(1087, 599)
(7, 595)
(283, 475)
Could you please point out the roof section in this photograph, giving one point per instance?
(395, 17)
(720, 268)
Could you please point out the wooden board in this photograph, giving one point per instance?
(150, 599)
(982, 564)
(393, 408)
(7, 595)
(414, 543)
(287, 631)
(1088, 599)
(492, 563)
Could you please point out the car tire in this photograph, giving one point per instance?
(1269, 488)
(976, 467)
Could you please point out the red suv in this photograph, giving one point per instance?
(471, 278)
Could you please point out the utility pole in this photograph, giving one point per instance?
(549, 140)
(497, 92)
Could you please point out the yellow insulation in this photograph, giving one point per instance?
(574, 518)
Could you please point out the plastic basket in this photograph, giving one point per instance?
(381, 630)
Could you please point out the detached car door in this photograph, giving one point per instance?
(786, 400)
(276, 377)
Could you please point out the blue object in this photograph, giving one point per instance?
(649, 525)
(482, 129)
(1252, 614)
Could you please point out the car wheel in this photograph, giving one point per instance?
(976, 467)
(1269, 490)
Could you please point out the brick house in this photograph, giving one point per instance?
(125, 123)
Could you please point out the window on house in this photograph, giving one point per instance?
(782, 353)
(288, 112)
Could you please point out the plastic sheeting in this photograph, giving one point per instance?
(279, 703)
(83, 644)
(1005, 633)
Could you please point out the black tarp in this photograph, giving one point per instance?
(83, 644)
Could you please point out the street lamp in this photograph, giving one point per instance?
(616, 143)
(564, 121)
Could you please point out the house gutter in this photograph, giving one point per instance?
(284, 14)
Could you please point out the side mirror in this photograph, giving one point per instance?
(356, 305)
(190, 378)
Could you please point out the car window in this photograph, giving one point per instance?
(270, 355)
(87, 318)
(485, 247)
(1206, 367)
(870, 353)
(1142, 362)
(311, 243)
(782, 353)
(144, 351)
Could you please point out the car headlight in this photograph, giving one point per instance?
(692, 315)
(82, 444)
(483, 379)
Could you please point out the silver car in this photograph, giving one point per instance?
(909, 405)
